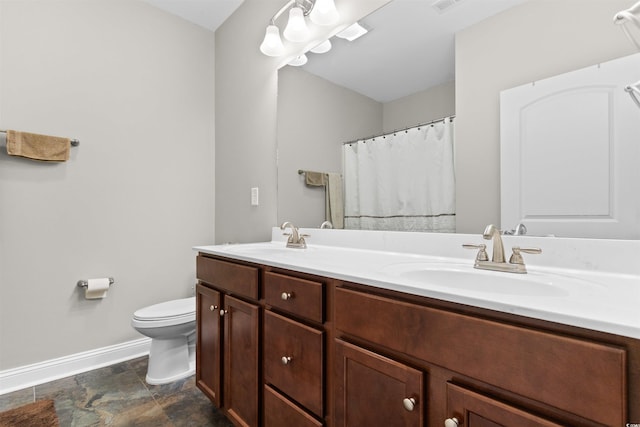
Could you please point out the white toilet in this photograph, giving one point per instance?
(171, 326)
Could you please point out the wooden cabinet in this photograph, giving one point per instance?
(228, 339)
(284, 348)
(373, 390)
(209, 343)
(294, 351)
(471, 409)
(282, 412)
(575, 379)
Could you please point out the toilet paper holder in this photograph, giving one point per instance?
(85, 283)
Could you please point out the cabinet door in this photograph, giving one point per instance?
(293, 355)
(208, 342)
(241, 389)
(373, 390)
(471, 409)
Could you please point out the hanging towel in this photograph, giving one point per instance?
(38, 147)
(334, 201)
(315, 179)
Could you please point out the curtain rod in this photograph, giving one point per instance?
(453, 116)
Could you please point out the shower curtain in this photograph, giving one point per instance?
(402, 181)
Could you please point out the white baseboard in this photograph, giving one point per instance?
(54, 369)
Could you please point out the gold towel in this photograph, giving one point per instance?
(315, 179)
(38, 147)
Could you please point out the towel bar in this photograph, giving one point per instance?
(74, 142)
(85, 283)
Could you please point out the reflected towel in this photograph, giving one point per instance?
(315, 179)
(38, 147)
(334, 201)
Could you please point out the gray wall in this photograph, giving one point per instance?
(246, 117)
(431, 104)
(315, 117)
(135, 85)
(536, 40)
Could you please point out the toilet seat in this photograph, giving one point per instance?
(167, 313)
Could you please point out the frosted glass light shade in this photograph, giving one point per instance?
(323, 47)
(298, 60)
(272, 43)
(296, 29)
(324, 12)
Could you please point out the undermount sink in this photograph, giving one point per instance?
(465, 277)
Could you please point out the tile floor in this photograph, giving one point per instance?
(118, 396)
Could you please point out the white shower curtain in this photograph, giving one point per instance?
(402, 181)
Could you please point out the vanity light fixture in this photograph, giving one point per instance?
(323, 47)
(320, 12)
(298, 61)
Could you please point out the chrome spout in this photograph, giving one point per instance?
(493, 233)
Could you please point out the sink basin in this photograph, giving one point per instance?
(465, 277)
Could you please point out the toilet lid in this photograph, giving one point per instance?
(167, 310)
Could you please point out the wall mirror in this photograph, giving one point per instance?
(307, 141)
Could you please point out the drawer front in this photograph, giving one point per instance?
(578, 376)
(234, 278)
(481, 410)
(279, 412)
(297, 296)
(300, 374)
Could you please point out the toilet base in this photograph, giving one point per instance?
(170, 360)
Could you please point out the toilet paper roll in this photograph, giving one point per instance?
(97, 288)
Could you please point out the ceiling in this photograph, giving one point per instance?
(410, 42)
(409, 47)
(209, 14)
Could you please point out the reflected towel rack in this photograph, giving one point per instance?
(74, 142)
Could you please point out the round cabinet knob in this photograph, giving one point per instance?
(451, 422)
(409, 403)
(286, 296)
(213, 307)
(222, 313)
(286, 360)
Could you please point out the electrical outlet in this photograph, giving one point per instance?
(254, 196)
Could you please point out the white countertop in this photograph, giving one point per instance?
(601, 294)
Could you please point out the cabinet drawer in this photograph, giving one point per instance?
(293, 355)
(297, 296)
(481, 410)
(279, 412)
(234, 278)
(577, 376)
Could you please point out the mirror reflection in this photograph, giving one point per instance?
(317, 113)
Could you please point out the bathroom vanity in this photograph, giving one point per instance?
(341, 336)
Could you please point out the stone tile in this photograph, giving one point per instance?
(117, 395)
(16, 398)
(191, 408)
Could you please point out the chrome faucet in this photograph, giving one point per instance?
(520, 230)
(326, 224)
(295, 240)
(492, 233)
(498, 263)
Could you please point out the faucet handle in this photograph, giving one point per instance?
(482, 251)
(516, 257)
